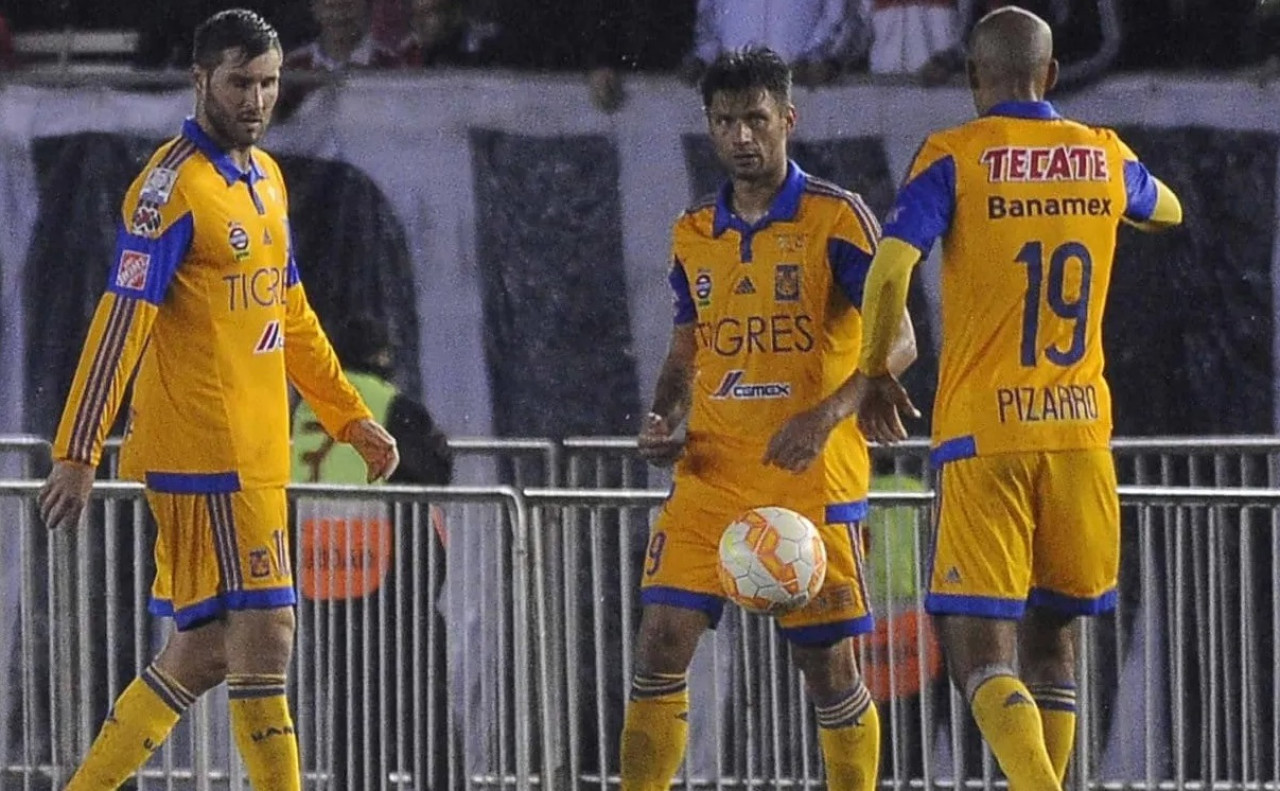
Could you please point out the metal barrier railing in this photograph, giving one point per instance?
(612, 462)
(1180, 686)
(368, 645)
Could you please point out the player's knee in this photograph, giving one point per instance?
(829, 670)
(667, 640)
(259, 641)
(196, 661)
(1047, 646)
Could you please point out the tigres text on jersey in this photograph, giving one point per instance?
(203, 299)
(776, 309)
(1027, 205)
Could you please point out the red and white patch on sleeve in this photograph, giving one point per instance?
(133, 269)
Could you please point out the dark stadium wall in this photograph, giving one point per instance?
(558, 328)
(1191, 320)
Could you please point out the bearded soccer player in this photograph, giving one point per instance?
(767, 277)
(1027, 205)
(203, 298)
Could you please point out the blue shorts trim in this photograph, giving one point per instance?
(978, 606)
(194, 482)
(965, 447)
(1072, 605)
(712, 606)
(204, 611)
(821, 633)
(846, 513)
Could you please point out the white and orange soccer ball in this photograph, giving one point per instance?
(772, 561)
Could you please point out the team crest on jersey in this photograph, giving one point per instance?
(271, 339)
(145, 221)
(238, 238)
(745, 286)
(260, 563)
(786, 283)
(702, 287)
(158, 187)
(132, 270)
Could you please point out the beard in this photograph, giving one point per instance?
(227, 128)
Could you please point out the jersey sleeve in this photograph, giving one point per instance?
(684, 309)
(152, 240)
(850, 248)
(926, 202)
(312, 365)
(1139, 186)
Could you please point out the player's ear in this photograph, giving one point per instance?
(791, 117)
(1051, 75)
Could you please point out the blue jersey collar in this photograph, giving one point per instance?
(220, 159)
(1039, 111)
(784, 207)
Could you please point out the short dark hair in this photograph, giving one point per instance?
(747, 69)
(237, 28)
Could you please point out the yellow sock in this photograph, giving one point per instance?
(655, 731)
(1010, 722)
(264, 731)
(1057, 704)
(138, 723)
(850, 735)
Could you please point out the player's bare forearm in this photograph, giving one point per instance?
(673, 393)
(904, 351)
(314, 369)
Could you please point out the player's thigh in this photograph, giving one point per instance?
(253, 526)
(189, 559)
(683, 552)
(841, 608)
(982, 542)
(1077, 541)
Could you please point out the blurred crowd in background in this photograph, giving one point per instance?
(606, 39)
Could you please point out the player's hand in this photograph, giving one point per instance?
(794, 446)
(881, 402)
(376, 446)
(65, 493)
(657, 443)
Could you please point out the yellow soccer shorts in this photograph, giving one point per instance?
(220, 552)
(1039, 529)
(684, 551)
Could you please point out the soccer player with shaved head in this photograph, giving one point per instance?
(1027, 538)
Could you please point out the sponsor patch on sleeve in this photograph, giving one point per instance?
(133, 269)
(145, 221)
(158, 187)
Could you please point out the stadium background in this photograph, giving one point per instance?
(534, 232)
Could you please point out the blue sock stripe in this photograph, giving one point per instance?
(1056, 705)
(177, 699)
(657, 685)
(246, 692)
(845, 712)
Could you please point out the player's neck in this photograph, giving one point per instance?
(1011, 92)
(240, 156)
(752, 199)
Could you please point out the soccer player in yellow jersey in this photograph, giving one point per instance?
(203, 298)
(1027, 205)
(768, 277)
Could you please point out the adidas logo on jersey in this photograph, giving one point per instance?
(745, 286)
(272, 338)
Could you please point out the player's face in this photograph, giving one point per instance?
(237, 97)
(749, 130)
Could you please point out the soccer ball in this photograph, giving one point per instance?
(772, 561)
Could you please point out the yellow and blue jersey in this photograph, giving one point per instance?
(776, 309)
(1027, 205)
(204, 301)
